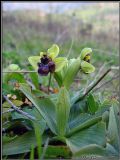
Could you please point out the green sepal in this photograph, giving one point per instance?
(87, 67)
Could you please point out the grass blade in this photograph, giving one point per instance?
(32, 153)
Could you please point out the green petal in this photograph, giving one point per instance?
(53, 51)
(87, 67)
(60, 62)
(84, 52)
(33, 61)
(42, 53)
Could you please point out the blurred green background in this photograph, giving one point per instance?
(29, 28)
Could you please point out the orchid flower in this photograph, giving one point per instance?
(85, 57)
(48, 61)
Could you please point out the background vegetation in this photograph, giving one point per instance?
(27, 32)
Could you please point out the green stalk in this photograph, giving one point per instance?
(49, 82)
(38, 139)
(32, 153)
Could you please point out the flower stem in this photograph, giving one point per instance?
(49, 82)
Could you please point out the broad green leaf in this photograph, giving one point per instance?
(33, 60)
(6, 139)
(45, 107)
(20, 144)
(33, 112)
(79, 119)
(75, 96)
(91, 149)
(39, 93)
(96, 150)
(114, 127)
(84, 52)
(86, 124)
(92, 105)
(87, 67)
(13, 67)
(15, 102)
(60, 62)
(72, 70)
(6, 88)
(112, 151)
(92, 135)
(78, 109)
(53, 51)
(34, 78)
(105, 116)
(83, 122)
(62, 111)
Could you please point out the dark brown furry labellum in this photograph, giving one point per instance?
(45, 66)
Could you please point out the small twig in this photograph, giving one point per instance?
(99, 72)
(19, 71)
(59, 37)
(49, 82)
(32, 85)
(45, 148)
(103, 84)
(9, 110)
(18, 110)
(80, 98)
